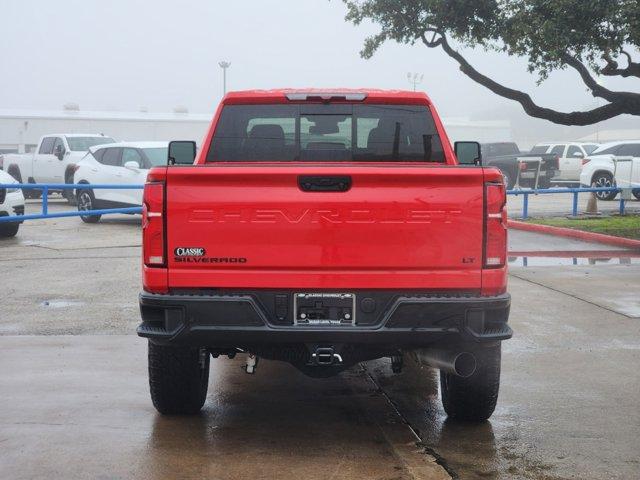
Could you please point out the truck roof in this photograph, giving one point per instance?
(371, 95)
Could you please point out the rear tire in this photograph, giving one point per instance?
(636, 193)
(544, 183)
(8, 230)
(177, 381)
(87, 201)
(604, 179)
(474, 398)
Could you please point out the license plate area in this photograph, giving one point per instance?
(324, 309)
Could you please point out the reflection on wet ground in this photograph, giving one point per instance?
(80, 408)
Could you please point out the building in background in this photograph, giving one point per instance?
(21, 129)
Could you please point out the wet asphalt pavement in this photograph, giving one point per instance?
(74, 396)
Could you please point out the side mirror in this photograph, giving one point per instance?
(181, 152)
(578, 155)
(59, 151)
(468, 153)
(132, 165)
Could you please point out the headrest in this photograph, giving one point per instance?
(269, 131)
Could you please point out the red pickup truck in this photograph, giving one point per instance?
(325, 228)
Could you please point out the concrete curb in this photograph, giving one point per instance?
(577, 234)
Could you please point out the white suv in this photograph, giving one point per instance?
(11, 204)
(571, 157)
(125, 163)
(613, 164)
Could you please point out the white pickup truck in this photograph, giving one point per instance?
(53, 161)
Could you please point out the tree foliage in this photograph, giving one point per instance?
(598, 37)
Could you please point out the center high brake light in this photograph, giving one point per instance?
(153, 244)
(495, 248)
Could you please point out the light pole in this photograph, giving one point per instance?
(414, 79)
(224, 65)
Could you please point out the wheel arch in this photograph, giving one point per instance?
(15, 169)
(69, 172)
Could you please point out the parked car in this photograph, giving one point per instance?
(511, 162)
(11, 204)
(613, 164)
(571, 157)
(53, 160)
(325, 228)
(117, 163)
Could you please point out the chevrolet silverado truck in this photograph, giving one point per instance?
(520, 169)
(325, 228)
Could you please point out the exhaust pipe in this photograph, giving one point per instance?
(462, 364)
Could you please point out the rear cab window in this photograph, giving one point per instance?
(540, 149)
(336, 132)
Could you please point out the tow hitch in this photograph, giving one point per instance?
(324, 356)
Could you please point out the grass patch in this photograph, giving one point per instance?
(627, 226)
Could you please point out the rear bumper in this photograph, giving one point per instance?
(399, 319)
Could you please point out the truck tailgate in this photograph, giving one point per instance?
(253, 226)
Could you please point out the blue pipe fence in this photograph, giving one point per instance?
(574, 191)
(47, 187)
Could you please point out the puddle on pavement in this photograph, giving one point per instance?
(61, 303)
(536, 261)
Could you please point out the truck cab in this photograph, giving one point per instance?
(324, 228)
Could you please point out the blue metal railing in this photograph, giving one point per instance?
(574, 191)
(47, 187)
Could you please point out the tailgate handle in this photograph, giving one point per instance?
(308, 183)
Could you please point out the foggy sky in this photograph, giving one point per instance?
(124, 54)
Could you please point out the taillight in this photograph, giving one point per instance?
(585, 161)
(495, 247)
(153, 244)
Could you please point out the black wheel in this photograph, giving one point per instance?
(636, 193)
(544, 182)
(509, 180)
(604, 179)
(86, 201)
(178, 378)
(474, 398)
(8, 230)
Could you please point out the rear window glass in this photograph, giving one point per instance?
(499, 149)
(604, 150)
(156, 156)
(590, 148)
(540, 149)
(317, 133)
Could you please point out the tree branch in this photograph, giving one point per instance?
(597, 89)
(618, 106)
(612, 69)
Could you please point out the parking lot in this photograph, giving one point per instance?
(74, 391)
